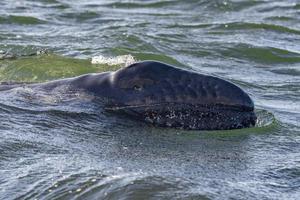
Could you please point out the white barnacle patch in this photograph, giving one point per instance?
(171, 115)
(148, 119)
(169, 124)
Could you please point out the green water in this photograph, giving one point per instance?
(63, 146)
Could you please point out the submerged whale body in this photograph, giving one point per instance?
(165, 96)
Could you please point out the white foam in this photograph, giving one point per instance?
(118, 60)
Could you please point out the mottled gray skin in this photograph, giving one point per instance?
(167, 96)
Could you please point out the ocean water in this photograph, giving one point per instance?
(63, 146)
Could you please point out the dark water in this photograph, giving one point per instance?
(63, 146)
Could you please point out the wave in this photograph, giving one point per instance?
(260, 54)
(116, 186)
(255, 26)
(155, 4)
(232, 26)
(21, 20)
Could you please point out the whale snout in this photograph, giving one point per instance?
(227, 94)
(167, 96)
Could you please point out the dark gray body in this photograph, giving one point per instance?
(166, 96)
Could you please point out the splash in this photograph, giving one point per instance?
(118, 60)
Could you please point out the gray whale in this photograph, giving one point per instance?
(165, 96)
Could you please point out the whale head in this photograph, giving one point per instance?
(168, 96)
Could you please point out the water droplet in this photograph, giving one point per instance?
(78, 190)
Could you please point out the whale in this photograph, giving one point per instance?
(163, 95)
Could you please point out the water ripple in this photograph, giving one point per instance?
(21, 20)
(56, 146)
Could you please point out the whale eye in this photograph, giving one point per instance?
(137, 87)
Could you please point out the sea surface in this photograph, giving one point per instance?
(64, 146)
